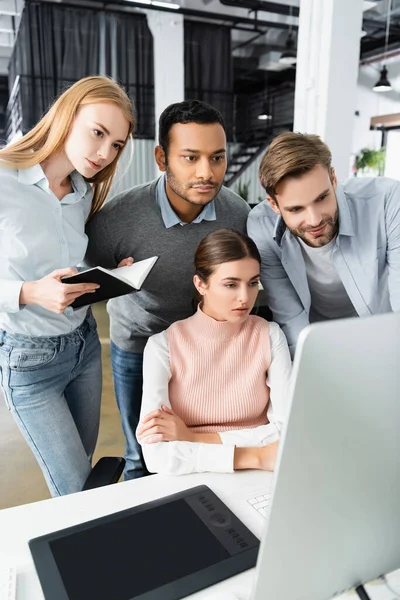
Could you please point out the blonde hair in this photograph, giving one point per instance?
(50, 134)
(292, 155)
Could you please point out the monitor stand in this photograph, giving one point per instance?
(361, 593)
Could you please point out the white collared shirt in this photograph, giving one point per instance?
(38, 234)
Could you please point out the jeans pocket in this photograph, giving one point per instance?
(29, 359)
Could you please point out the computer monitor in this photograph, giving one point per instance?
(335, 516)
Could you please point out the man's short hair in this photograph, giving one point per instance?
(189, 111)
(292, 155)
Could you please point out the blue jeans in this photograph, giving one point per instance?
(128, 383)
(52, 386)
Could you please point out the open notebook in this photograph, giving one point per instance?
(113, 282)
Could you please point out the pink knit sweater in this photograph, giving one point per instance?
(219, 372)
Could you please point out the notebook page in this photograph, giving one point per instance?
(135, 274)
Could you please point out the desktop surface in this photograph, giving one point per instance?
(20, 524)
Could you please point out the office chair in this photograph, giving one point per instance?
(106, 471)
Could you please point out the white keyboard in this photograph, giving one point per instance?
(261, 503)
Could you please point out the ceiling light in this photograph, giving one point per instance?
(289, 55)
(264, 117)
(148, 2)
(383, 85)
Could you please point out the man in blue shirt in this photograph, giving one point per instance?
(328, 250)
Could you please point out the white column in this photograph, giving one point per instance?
(328, 51)
(167, 30)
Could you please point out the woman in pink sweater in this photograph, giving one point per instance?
(215, 384)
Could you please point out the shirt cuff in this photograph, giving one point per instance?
(10, 292)
(257, 437)
(215, 457)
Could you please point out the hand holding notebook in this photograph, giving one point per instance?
(113, 282)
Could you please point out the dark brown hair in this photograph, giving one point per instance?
(221, 246)
(292, 155)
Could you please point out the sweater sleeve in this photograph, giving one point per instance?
(278, 381)
(103, 237)
(174, 458)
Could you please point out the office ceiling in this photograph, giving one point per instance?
(260, 29)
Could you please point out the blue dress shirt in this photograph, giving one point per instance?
(168, 214)
(38, 234)
(366, 254)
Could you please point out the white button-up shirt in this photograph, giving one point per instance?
(38, 234)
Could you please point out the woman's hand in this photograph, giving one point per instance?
(126, 262)
(51, 293)
(163, 425)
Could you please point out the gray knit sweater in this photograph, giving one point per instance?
(131, 225)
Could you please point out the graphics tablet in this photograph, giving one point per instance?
(162, 550)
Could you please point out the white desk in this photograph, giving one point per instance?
(22, 523)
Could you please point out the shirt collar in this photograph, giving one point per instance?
(32, 175)
(168, 214)
(35, 175)
(345, 220)
(279, 229)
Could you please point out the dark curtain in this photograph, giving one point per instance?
(129, 59)
(208, 67)
(57, 46)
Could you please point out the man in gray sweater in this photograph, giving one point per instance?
(166, 218)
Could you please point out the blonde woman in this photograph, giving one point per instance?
(52, 181)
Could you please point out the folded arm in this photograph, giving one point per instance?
(173, 457)
(170, 447)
